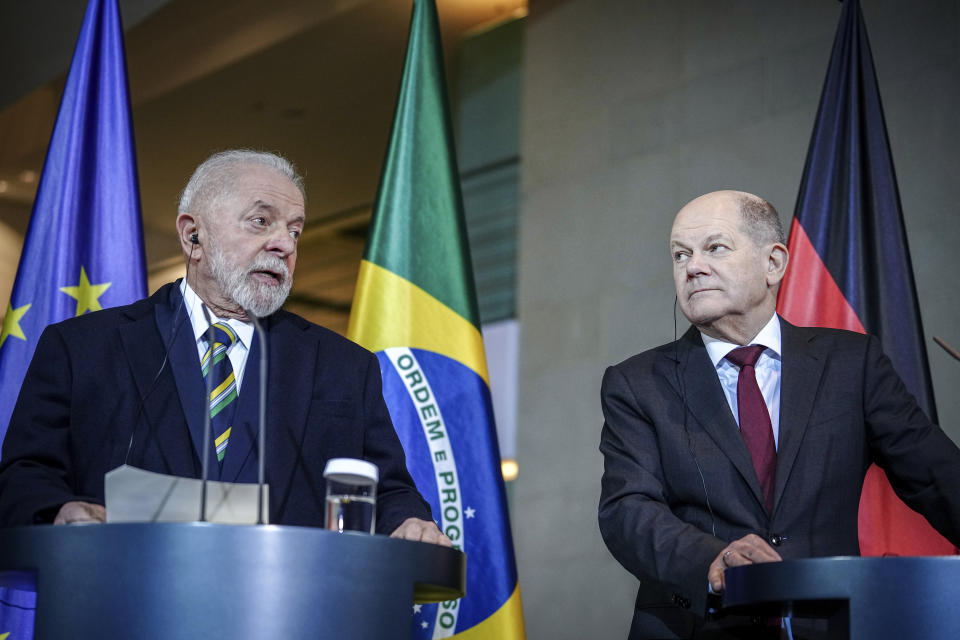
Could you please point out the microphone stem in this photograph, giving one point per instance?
(262, 416)
(946, 347)
(205, 455)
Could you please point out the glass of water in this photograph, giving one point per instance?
(351, 495)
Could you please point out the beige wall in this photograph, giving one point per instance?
(10, 244)
(631, 108)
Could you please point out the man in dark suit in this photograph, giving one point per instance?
(747, 440)
(125, 385)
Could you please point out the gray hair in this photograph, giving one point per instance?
(760, 220)
(215, 177)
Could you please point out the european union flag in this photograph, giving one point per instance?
(84, 245)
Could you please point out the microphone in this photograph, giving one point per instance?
(261, 436)
(208, 382)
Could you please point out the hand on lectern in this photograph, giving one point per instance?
(421, 531)
(750, 549)
(76, 512)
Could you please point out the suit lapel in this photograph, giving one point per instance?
(142, 337)
(181, 347)
(157, 395)
(145, 352)
(801, 370)
(708, 405)
(292, 375)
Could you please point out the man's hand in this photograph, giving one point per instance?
(76, 511)
(751, 549)
(421, 531)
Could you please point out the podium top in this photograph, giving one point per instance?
(436, 573)
(208, 580)
(876, 598)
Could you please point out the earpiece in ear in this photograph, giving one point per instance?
(195, 239)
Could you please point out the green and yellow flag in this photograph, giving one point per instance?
(416, 308)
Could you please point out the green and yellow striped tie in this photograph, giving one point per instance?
(224, 394)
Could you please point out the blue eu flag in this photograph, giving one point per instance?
(84, 245)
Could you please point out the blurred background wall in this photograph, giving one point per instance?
(583, 126)
(631, 109)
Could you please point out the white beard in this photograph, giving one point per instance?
(257, 297)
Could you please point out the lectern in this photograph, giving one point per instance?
(862, 598)
(199, 580)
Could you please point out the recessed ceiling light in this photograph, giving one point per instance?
(29, 176)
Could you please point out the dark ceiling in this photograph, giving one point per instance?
(315, 80)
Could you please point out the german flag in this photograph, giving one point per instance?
(850, 264)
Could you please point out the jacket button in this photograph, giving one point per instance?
(776, 540)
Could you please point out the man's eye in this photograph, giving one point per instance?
(259, 221)
(714, 248)
(294, 234)
(679, 257)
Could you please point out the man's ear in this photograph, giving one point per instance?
(188, 231)
(777, 263)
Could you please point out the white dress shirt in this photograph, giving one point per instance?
(244, 330)
(768, 370)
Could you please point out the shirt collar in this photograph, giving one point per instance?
(192, 302)
(769, 337)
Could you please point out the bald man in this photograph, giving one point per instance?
(747, 440)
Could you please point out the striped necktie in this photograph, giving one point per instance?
(223, 396)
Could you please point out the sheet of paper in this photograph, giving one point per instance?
(135, 495)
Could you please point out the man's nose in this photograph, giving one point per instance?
(281, 243)
(697, 265)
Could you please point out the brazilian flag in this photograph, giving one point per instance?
(416, 308)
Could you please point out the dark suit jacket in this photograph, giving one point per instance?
(678, 483)
(99, 384)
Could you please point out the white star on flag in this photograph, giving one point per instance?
(417, 607)
(424, 624)
(469, 512)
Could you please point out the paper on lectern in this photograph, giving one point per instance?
(136, 495)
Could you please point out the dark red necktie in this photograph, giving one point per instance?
(755, 424)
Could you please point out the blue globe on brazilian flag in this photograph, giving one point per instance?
(415, 307)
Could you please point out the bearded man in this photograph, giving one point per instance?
(126, 385)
